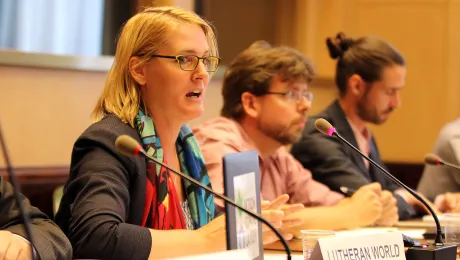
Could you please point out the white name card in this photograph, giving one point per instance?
(242, 254)
(386, 246)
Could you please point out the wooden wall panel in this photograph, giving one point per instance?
(427, 32)
(186, 4)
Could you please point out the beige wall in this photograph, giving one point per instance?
(43, 111)
(186, 4)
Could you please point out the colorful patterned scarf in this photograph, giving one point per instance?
(162, 209)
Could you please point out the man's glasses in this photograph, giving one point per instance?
(190, 62)
(292, 96)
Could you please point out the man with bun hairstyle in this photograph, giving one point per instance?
(370, 75)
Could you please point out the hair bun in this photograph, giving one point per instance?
(339, 45)
(260, 44)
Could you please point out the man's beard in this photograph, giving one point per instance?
(369, 113)
(284, 136)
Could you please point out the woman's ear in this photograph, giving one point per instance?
(137, 70)
(250, 104)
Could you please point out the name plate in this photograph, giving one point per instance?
(224, 255)
(388, 246)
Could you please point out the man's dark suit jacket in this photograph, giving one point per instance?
(50, 242)
(103, 202)
(335, 164)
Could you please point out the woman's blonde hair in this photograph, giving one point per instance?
(142, 35)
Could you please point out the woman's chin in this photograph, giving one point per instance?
(191, 114)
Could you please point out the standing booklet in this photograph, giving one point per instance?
(242, 184)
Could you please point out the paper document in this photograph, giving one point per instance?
(413, 233)
(442, 217)
(282, 256)
(365, 231)
(229, 255)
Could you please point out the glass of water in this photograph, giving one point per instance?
(452, 230)
(310, 238)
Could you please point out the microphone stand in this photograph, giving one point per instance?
(17, 196)
(438, 240)
(449, 164)
(436, 251)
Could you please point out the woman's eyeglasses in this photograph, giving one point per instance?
(190, 62)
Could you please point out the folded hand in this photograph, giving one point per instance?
(277, 212)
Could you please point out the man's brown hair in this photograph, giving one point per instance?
(253, 70)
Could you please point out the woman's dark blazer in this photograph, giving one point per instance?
(102, 206)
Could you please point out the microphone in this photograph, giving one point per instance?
(128, 146)
(16, 190)
(438, 249)
(433, 159)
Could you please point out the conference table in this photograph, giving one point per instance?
(412, 228)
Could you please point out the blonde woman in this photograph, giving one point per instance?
(116, 207)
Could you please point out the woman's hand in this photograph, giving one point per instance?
(14, 247)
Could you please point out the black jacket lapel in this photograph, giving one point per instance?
(342, 126)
